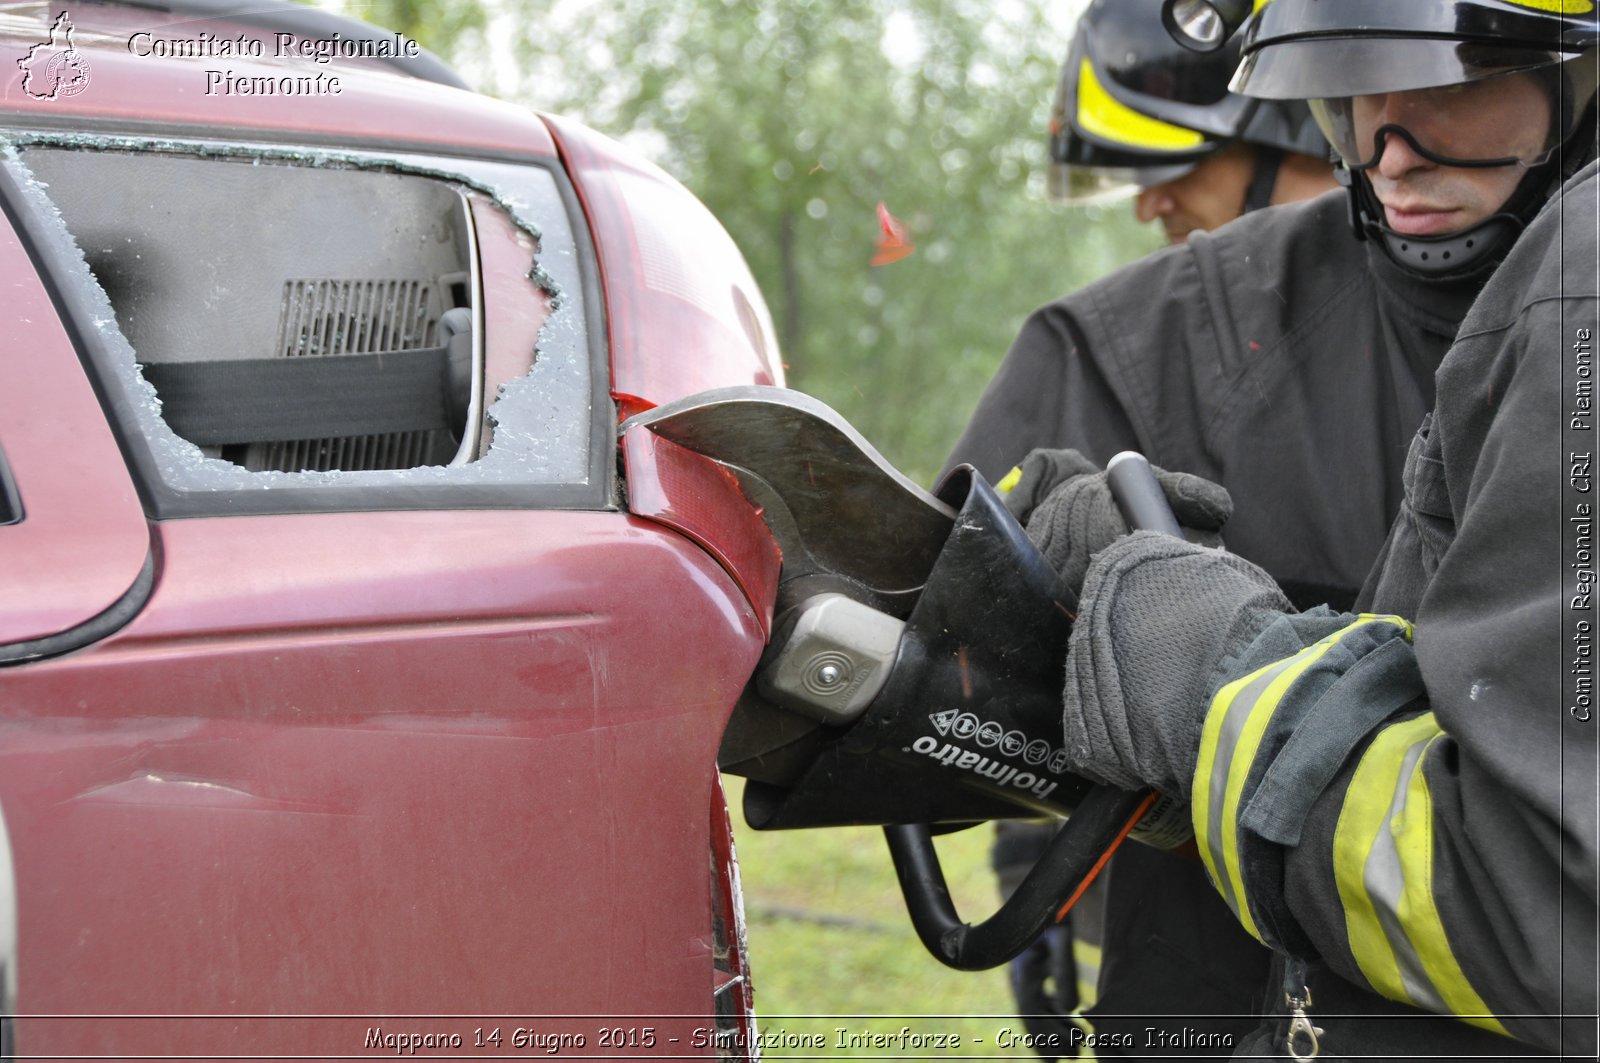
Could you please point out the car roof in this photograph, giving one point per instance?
(310, 23)
(210, 67)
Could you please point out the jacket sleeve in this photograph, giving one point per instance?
(1409, 798)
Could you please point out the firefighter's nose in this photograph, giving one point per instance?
(1399, 157)
(1153, 203)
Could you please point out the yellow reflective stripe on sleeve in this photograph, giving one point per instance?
(1010, 480)
(1383, 866)
(1104, 116)
(1229, 740)
(1231, 713)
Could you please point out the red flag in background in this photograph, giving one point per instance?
(894, 244)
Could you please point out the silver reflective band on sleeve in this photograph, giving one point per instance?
(1384, 878)
(1383, 864)
(1236, 714)
(1230, 739)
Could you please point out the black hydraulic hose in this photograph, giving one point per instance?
(1073, 856)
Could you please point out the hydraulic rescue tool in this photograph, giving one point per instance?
(913, 677)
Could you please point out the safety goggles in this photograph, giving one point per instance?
(1512, 119)
(1455, 104)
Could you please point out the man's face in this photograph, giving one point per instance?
(1495, 118)
(1210, 195)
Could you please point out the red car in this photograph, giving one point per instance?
(360, 690)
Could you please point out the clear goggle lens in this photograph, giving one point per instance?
(1078, 186)
(1094, 185)
(1505, 119)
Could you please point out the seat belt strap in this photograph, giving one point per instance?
(275, 400)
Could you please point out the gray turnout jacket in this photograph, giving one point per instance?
(1240, 355)
(1248, 356)
(1292, 364)
(1431, 827)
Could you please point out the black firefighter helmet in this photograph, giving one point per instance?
(1135, 109)
(1456, 60)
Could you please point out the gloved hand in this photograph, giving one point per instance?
(1071, 514)
(1161, 625)
(1041, 472)
(1034, 976)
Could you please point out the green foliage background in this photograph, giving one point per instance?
(791, 121)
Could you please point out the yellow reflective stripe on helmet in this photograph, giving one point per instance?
(1557, 7)
(1383, 866)
(1104, 116)
(1229, 740)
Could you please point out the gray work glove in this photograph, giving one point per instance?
(1041, 472)
(1075, 516)
(1161, 623)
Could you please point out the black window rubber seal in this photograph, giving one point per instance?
(11, 511)
(97, 627)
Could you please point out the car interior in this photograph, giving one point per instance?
(335, 329)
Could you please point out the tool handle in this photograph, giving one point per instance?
(1138, 494)
(1074, 857)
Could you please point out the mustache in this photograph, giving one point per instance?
(1427, 186)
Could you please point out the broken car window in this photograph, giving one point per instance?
(298, 320)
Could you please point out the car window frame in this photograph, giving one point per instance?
(59, 266)
(12, 511)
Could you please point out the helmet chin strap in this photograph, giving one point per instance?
(1456, 254)
(1452, 254)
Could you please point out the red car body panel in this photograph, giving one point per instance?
(84, 537)
(694, 495)
(348, 770)
(677, 283)
(274, 787)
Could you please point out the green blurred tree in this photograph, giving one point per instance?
(792, 121)
(444, 27)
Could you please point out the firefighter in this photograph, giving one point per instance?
(1398, 800)
(1137, 114)
(1292, 364)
